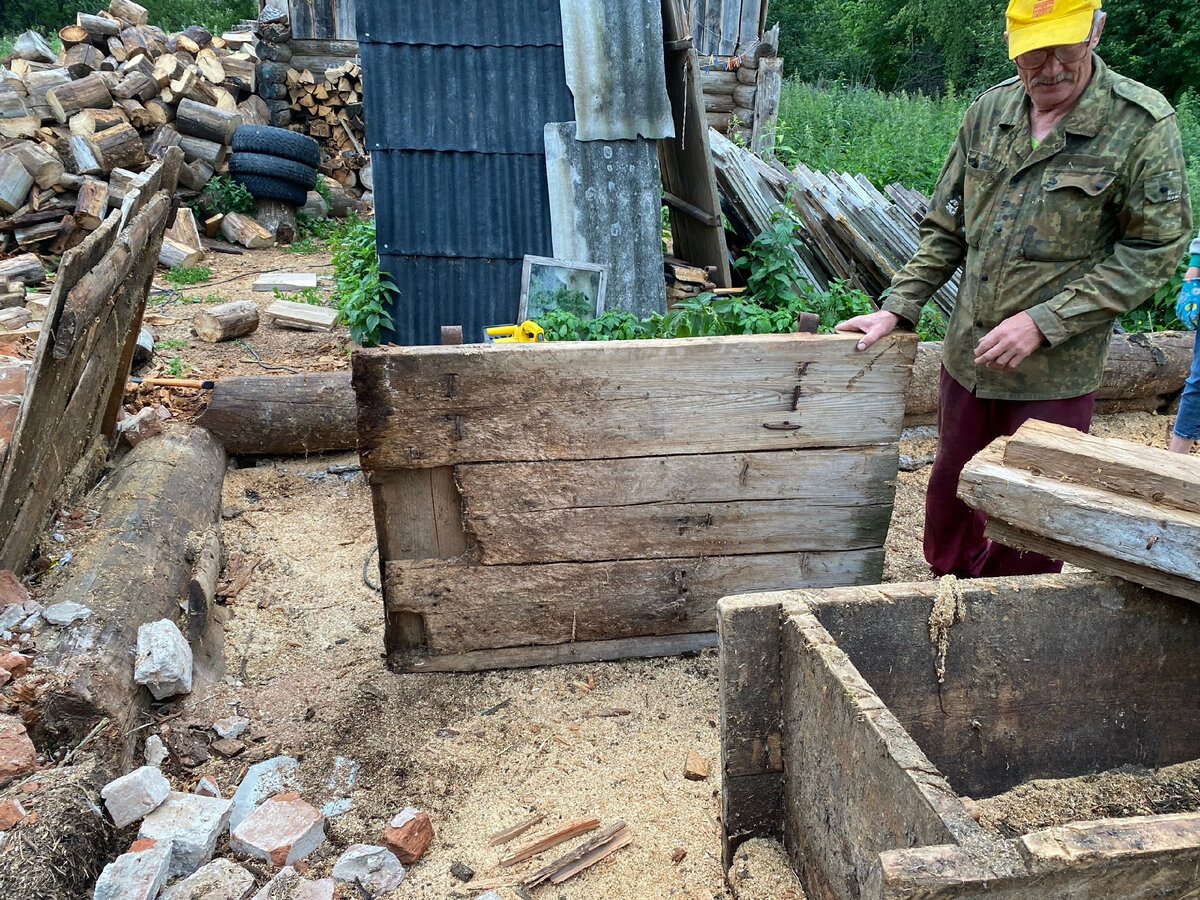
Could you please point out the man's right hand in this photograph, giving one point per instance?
(873, 326)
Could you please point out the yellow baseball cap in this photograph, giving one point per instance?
(1034, 24)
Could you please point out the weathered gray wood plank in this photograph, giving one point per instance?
(468, 607)
(422, 407)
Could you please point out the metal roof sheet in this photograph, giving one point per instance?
(461, 204)
(433, 291)
(486, 100)
(461, 23)
(615, 69)
(605, 207)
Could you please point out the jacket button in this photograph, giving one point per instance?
(983, 278)
(1164, 189)
(999, 228)
(1052, 182)
(1015, 180)
(978, 323)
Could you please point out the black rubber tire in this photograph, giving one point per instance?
(263, 187)
(273, 167)
(277, 142)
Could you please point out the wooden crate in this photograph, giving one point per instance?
(570, 502)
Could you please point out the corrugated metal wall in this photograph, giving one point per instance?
(456, 95)
(726, 27)
(323, 20)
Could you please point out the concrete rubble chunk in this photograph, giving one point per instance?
(191, 824)
(17, 754)
(66, 613)
(374, 868)
(137, 428)
(288, 885)
(133, 796)
(282, 830)
(263, 780)
(155, 752)
(208, 787)
(137, 875)
(231, 727)
(409, 835)
(164, 660)
(221, 879)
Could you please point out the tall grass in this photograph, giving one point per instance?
(47, 16)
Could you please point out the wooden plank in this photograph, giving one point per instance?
(686, 159)
(678, 506)
(1121, 528)
(553, 654)
(1175, 585)
(433, 406)
(302, 316)
(285, 281)
(467, 607)
(1123, 467)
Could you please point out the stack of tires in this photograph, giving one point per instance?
(274, 163)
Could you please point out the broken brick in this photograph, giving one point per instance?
(17, 755)
(282, 830)
(11, 814)
(409, 835)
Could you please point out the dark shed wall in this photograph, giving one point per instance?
(456, 97)
(325, 20)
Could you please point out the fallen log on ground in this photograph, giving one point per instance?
(292, 414)
(1144, 372)
(133, 569)
(1113, 506)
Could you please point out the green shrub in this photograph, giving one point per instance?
(224, 195)
(361, 287)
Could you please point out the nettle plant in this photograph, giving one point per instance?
(361, 287)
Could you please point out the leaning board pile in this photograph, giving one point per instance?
(77, 127)
(1113, 506)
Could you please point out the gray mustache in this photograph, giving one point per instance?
(1062, 76)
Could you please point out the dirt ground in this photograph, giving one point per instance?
(478, 752)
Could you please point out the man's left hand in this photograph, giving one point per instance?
(1007, 345)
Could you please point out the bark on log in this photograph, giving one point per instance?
(163, 139)
(137, 85)
(160, 112)
(91, 204)
(78, 155)
(254, 111)
(195, 175)
(33, 47)
(129, 11)
(206, 122)
(26, 269)
(279, 218)
(45, 168)
(83, 59)
(1144, 372)
(239, 72)
(208, 151)
(227, 321)
(87, 93)
(166, 488)
(291, 414)
(119, 147)
(15, 182)
(99, 28)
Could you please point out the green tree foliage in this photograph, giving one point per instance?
(47, 16)
(930, 45)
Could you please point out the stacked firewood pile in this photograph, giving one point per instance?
(77, 127)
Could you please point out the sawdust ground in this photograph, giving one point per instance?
(479, 752)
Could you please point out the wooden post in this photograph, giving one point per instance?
(766, 105)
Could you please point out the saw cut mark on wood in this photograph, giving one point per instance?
(564, 832)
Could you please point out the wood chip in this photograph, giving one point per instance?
(584, 856)
(507, 834)
(695, 767)
(563, 833)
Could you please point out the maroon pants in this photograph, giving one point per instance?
(954, 541)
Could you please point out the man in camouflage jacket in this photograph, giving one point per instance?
(1064, 199)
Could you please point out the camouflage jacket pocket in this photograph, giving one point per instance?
(1162, 213)
(1067, 221)
(980, 178)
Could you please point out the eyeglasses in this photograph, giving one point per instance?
(1067, 53)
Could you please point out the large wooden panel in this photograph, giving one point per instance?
(469, 607)
(679, 506)
(421, 407)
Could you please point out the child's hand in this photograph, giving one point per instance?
(1188, 306)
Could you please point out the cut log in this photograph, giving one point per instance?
(138, 85)
(87, 93)
(160, 112)
(12, 104)
(20, 126)
(128, 11)
(33, 47)
(174, 253)
(26, 268)
(1143, 372)
(139, 117)
(289, 414)
(206, 122)
(119, 147)
(195, 148)
(183, 229)
(88, 121)
(286, 281)
(15, 182)
(45, 168)
(165, 489)
(253, 111)
(99, 28)
(240, 72)
(211, 69)
(29, 235)
(120, 182)
(79, 155)
(198, 35)
(166, 67)
(83, 59)
(279, 218)
(195, 175)
(227, 321)
(241, 229)
(91, 204)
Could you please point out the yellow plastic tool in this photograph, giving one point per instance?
(528, 332)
